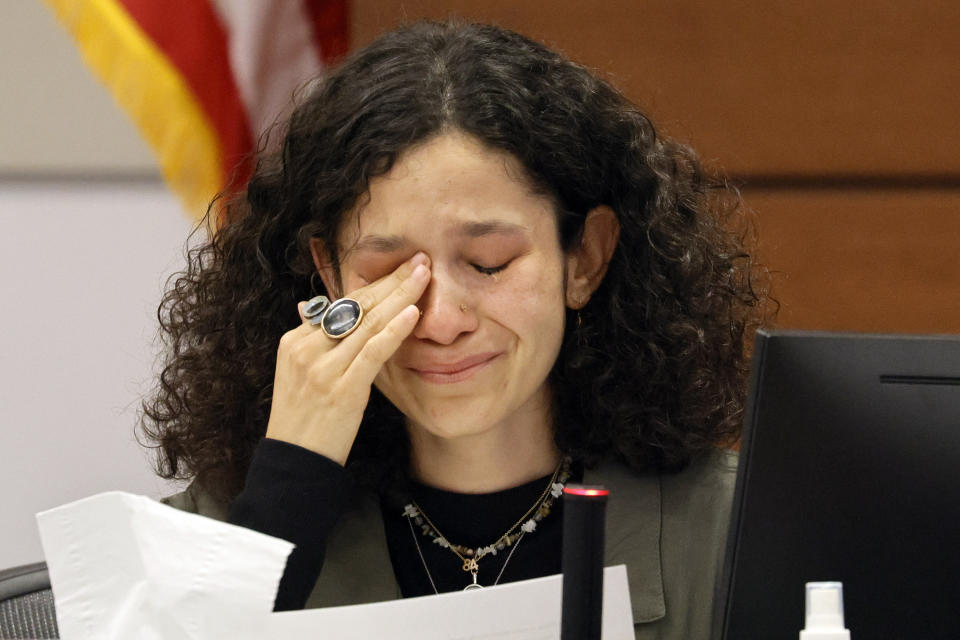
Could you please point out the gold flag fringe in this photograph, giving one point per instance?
(151, 90)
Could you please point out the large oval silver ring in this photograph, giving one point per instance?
(314, 308)
(341, 318)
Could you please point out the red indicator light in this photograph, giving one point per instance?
(586, 492)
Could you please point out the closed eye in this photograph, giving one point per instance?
(489, 271)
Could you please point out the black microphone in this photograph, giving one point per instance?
(584, 516)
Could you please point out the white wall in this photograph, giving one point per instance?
(82, 267)
(54, 117)
(87, 235)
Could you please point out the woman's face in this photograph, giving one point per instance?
(493, 313)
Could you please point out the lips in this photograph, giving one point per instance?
(444, 372)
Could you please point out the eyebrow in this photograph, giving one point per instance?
(392, 243)
(490, 227)
(380, 244)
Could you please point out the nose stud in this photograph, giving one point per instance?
(463, 308)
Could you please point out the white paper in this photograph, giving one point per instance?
(124, 566)
(527, 610)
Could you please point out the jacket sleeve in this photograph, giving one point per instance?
(294, 494)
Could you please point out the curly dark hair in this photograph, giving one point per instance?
(651, 370)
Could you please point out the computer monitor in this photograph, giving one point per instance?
(849, 471)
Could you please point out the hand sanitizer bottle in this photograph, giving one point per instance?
(824, 612)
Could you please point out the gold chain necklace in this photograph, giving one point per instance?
(470, 557)
(474, 584)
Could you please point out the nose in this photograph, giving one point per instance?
(446, 310)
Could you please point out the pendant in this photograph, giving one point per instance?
(470, 564)
(475, 584)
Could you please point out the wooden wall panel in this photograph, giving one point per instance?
(862, 95)
(767, 88)
(882, 260)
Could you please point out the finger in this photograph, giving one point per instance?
(375, 292)
(380, 347)
(376, 319)
(405, 293)
(368, 296)
(308, 343)
(333, 365)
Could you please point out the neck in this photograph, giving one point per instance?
(507, 455)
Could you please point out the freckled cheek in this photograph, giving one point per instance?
(530, 307)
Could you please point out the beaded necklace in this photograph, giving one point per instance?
(470, 557)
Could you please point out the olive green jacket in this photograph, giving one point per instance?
(669, 531)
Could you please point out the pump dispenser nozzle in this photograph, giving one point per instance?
(824, 612)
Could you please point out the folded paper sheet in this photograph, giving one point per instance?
(124, 566)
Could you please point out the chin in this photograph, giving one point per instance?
(451, 419)
(445, 411)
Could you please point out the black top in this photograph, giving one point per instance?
(295, 494)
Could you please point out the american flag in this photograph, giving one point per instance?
(202, 79)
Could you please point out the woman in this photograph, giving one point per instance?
(543, 290)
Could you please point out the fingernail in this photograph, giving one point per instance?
(419, 258)
(420, 272)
